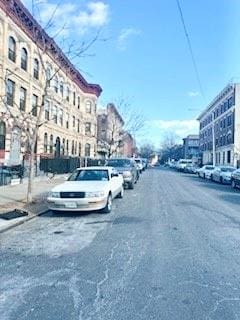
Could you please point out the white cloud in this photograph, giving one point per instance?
(124, 35)
(74, 17)
(193, 94)
(180, 128)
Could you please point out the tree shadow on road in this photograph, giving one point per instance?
(232, 198)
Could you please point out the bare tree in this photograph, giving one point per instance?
(30, 122)
(147, 150)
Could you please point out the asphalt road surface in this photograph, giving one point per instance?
(169, 250)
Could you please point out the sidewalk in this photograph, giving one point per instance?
(14, 197)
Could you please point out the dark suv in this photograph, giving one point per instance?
(236, 178)
(127, 167)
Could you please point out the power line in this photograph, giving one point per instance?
(190, 49)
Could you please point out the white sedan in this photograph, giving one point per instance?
(206, 171)
(87, 189)
(223, 174)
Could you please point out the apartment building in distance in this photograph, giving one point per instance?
(69, 119)
(219, 131)
(110, 132)
(191, 146)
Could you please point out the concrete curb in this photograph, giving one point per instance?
(18, 223)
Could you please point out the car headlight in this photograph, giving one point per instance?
(97, 194)
(54, 194)
(127, 174)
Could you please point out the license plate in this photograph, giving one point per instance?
(71, 205)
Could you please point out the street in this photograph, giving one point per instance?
(169, 250)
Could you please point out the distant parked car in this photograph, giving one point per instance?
(223, 174)
(236, 178)
(127, 168)
(182, 163)
(87, 189)
(206, 171)
(191, 168)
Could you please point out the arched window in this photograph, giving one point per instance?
(87, 150)
(24, 59)
(36, 69)
(88, 106)
(51, 144)
(2, 135)
(12, 49)
(45, 142)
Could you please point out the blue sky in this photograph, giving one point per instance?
(146, 58)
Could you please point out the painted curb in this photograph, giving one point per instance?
(18, 223)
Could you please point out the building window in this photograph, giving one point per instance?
(12, 49)
(88, 106)
(74, 121)
(61, 117)
(87, 128)
(79, 102)
(68, 94)
(63, 147)
(55, 114)
(34, 105)
(48, 76)
(78, 126)
(61, 88)
(74, 98)
(45, 143)
(67, 147)
(56, 84)
(229, 157)
(87, 150)
(10, 92)
(24, 59)
(51, 144)
(2, 135)
(72, 147)
(67, 120)
(47, 110)
(79, 149)
(23, 97)
(36, 69)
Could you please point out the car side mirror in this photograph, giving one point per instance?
(114, 175)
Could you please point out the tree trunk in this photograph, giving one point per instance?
(30, 178)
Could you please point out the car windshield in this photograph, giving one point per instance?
(118, 163)
(209, 168)
(89, 175)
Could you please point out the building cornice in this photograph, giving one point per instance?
(20, 15)
(217, 99)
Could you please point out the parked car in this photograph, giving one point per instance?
(87, 189)
(236, 178)
(206, 171)
(182, 163)
(127, 168)
(191, 168)
(139, 163)
(223, 174)
(145, 163)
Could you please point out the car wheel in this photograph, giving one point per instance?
(234, 184)
(211, 178)
(121, 193)
(131, 185)
(221, 180)
(204, 177)
(108, 207)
